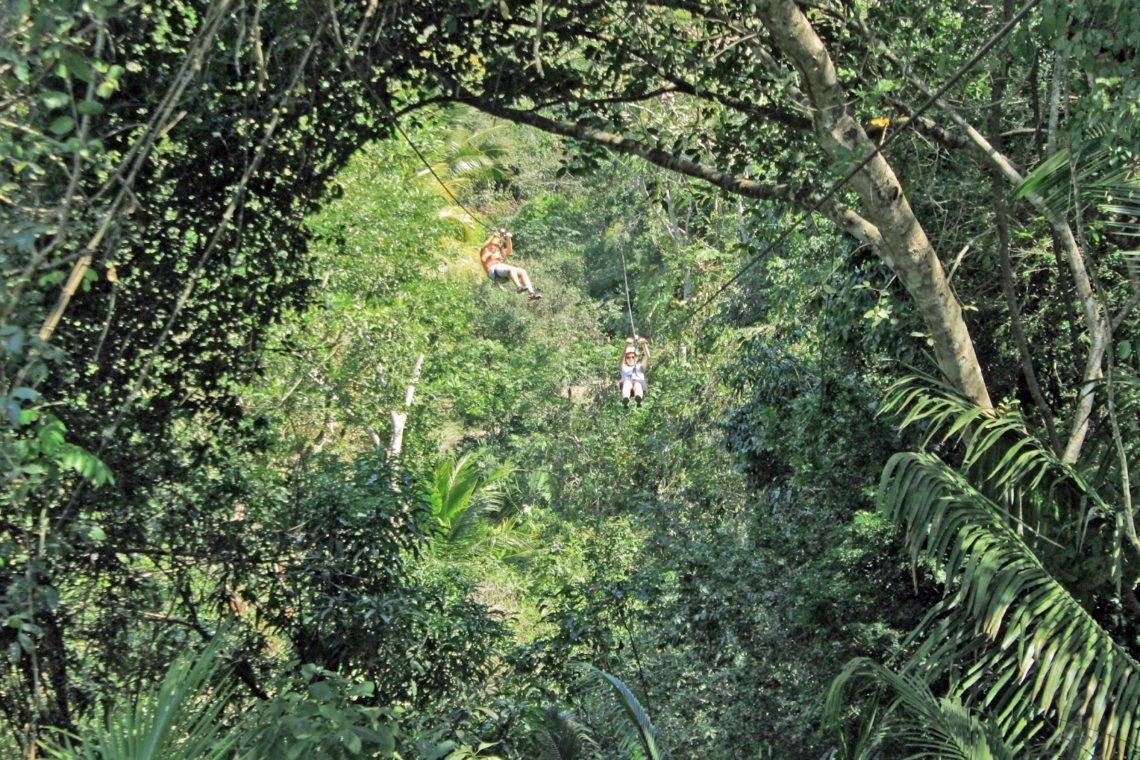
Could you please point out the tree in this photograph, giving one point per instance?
(162, 159)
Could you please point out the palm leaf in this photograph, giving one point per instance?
(462, 499)
(1036, 656)
(1104, 176)
(465, 158)
(455, 483)
(1007, 460)
(640, 735)
(927, 725)
(179, 720)
(560, 736)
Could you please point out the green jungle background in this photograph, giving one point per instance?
(286, 476)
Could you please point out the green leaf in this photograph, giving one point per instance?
(440, 750)
(62, 125)
(76, 65)
(387, 739)
(55, 98)
(90, 107)
(365, 689)
(351, 740)
(25, 394)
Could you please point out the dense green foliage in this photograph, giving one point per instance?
(285, 475)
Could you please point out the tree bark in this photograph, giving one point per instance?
(904, 244)
(400, 419)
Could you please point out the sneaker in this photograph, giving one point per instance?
(625, 401)
(638, 400)
(533, 297)
(520, 288)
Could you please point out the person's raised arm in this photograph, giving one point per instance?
(509, 245)
(645, 352)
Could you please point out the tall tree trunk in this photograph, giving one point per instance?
(904, 244)
(1001, 76)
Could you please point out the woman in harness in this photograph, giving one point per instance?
(633, 372)
(497, 247)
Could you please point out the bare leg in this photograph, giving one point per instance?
(626, 390)
(524, 280)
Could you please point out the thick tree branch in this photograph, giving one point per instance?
(582, 101)
(725, 181)
(904, 244)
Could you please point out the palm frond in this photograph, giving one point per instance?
(455, 482)
(640, 736)
(998, 447)
(1104, 176)
(1036, 657)
(466, 502)
(929, 726)
(471, 232)
(560, 736)
(179, 720)
(465, 158)
(488, 141)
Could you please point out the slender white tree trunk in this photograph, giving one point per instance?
(400, 419)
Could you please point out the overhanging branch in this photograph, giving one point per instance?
(729, 182)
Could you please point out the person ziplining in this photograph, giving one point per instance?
(633, 371)
(498, 246)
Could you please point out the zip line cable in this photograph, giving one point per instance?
(442, 184)
(628, 306)
(878, 149)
